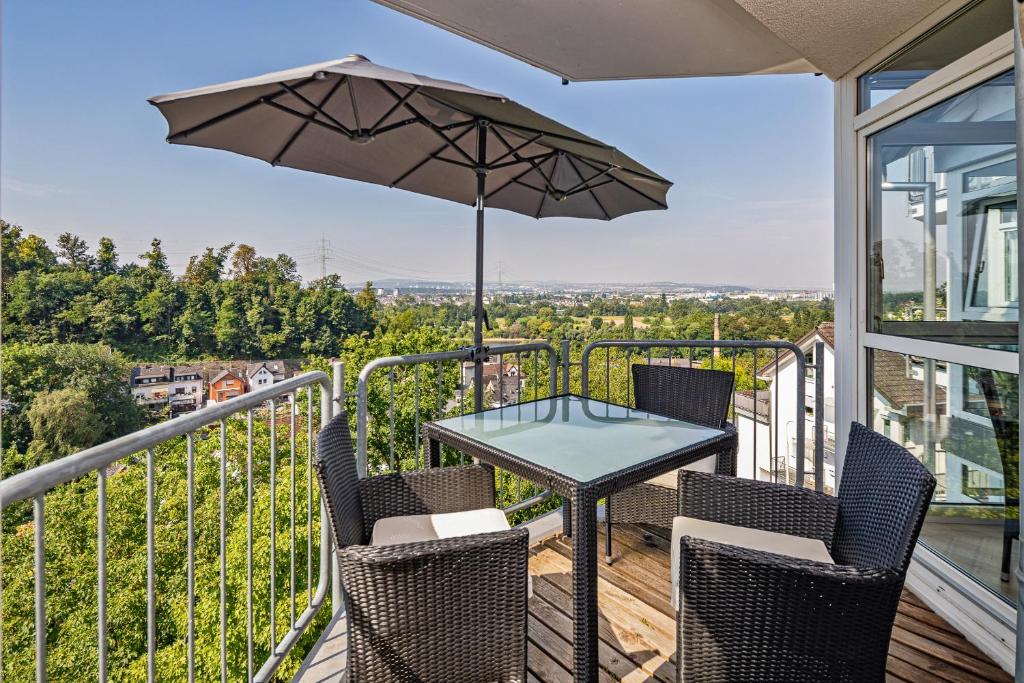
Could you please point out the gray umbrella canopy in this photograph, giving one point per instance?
(355, 119)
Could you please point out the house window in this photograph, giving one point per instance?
(943, 229)
(977, 23)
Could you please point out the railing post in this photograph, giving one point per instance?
(565, 366)
(801, 420)
(338, 393)
(819, 415)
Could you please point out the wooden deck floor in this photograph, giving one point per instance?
(637, 625)
(637, 622)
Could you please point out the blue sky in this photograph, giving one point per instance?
(83, 151)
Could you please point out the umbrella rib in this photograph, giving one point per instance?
(429, 157)
(513, 180)
(529, 160)
(355, 107)
(307, 117)
(607, 181)
(454, 162)
(630, 187)
(394, 126)
(241, 109)
(521, 160)
(318, 108)
(427, 122)
(412, 91)
(528, 129)
(305, 124)
(514, 151)
(586, 184)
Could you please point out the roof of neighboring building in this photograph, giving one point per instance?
(222, 374)
(182, 370)
(151, 371)
(275, 367)
(826, 331)
(891, 378)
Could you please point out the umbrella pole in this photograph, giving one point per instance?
(478, 317)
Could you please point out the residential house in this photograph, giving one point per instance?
(767, 422)
(225, 385)
(503, 381)
(150, 384)
(185, 390)
(265, 373)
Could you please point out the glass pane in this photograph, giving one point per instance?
(970, 28)
(962, 422)
(580, 438)
(943, 222)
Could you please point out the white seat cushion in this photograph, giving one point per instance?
(754, 539)
(412, 528)
(670, 480)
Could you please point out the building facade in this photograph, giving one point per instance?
(185, 390)
(226, 385)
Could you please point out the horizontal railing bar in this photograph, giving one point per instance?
(39, 480)
(528, 502)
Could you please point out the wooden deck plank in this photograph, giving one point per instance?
(637, 625)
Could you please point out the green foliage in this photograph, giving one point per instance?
(63, 422)
(229, 303)
(88, 381)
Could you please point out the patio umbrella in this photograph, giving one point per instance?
(355, 119)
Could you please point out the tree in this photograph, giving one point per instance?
(207, 267)
(99, 373)
(74, 251)
(596, 322)
(627, 327)
(106, 257)
(155, 258)
(63, 422)
(243, 262)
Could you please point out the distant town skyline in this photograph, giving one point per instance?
(83, 152)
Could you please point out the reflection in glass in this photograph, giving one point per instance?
(943, 221)
(963, 423)
(969, 28)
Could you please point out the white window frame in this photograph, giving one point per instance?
(986, 620)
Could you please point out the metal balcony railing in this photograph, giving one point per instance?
(104, 462)
(408, 376)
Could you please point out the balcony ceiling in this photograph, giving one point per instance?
(582, 40)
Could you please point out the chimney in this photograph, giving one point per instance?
(718, 333)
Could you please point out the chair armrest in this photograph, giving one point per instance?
(429, 491)
(758, 505)
(448, 609)
(757, 615)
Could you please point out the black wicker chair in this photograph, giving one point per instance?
(749, 615)
(691, 394)
(450, 609)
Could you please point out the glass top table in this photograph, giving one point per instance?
(583, 449)
(580, 438)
